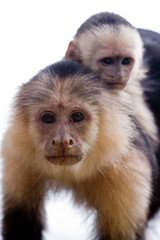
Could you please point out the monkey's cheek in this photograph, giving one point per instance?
(64, 161)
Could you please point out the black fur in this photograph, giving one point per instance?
(103, 18)
(20, 223)
(142, 142)
(68, 68)
(151, 84)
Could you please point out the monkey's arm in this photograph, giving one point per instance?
(23, 190)
(121, 194)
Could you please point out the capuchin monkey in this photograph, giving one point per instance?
(69, 126)
(110, 46)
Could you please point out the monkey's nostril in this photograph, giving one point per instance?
(53, 143)
(71, 142)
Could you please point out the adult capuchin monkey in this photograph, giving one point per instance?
(70, 127)
(110, 46)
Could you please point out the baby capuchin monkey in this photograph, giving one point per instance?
(70, 127)
(110, 46)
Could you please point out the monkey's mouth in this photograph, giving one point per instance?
(118, 86)
(64, 160)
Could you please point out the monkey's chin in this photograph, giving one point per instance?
(64, 160)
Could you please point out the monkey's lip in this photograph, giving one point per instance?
(64, 160)
(117, 85)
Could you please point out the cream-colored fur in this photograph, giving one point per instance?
(119, 41)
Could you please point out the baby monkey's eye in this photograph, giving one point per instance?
(107, 60)
(48, 118)
(126, 61)
(76, 117)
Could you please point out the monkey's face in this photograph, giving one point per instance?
(112, 65)
(114, 69)
(62, 130)
(114, 53)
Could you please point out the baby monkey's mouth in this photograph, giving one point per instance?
(118, 86)
(64, 160)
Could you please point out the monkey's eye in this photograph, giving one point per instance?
(107, 60)
(76, 117)
(126, 61)
(48, 118)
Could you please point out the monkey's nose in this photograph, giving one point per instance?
(65, 144)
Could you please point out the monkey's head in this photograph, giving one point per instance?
(69, 115)
(109, 45)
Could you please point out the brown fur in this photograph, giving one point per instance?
(114, 176)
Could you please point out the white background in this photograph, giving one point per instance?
(36, 33)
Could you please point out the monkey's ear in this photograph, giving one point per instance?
(71, 52)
